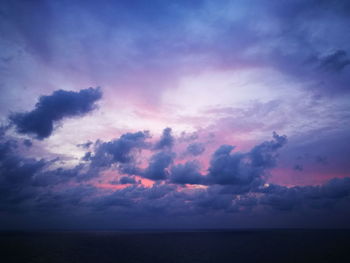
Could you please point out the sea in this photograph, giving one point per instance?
(163, 246)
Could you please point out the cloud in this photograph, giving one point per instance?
(216, 202)
(188, 136)
(336, 188)
(158, 164)
(16, 175)
(195, 149)
(85, 145)
(127, 180)
(298, 167)
(322, 197)
(58, 176)
(187, 173)
(226, 168)
(321, 159)
(336, 61)
(265, 154)
(119, 150)
(166, 141)
(234, 183)
(53, 108)
(285, 35)
(28, 143)
(157, 191)
(238, 168)
(16, 169)
(65, 199)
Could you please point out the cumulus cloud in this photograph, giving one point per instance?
(158, 166)
(227, 168)
(53, 108)
(195, 149)
(166, 140)
(234, 183)
(119, 150)
(243, 169)
(187, 173)
(265, 154)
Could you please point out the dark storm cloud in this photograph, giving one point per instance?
(166, 140)
(195, 149)
(53, 108)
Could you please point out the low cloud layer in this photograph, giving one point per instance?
(233, 186)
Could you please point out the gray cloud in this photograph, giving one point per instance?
(53, 108)
(166, 141)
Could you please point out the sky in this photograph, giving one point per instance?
(174, 114)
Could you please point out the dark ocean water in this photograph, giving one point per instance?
(186, 246)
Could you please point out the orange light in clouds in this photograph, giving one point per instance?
(112, 186)
(144, 182)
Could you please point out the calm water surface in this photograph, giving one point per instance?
(186, 246)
